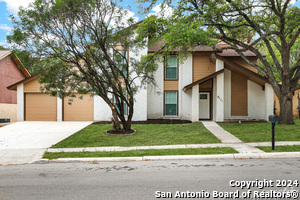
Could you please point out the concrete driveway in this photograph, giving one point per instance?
(26, 142)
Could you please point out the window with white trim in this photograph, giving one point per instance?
(171, 68)
(171, 103)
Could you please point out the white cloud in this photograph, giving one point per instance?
(293, 1)
(162, 10)
(13, 5)
(5, 27)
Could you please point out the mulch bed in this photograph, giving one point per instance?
(243, 121)
(112, 132)
(152, 121)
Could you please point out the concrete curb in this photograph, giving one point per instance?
(179, 157)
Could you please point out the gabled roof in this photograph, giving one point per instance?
(232, 66)
(201, 48)
(243, 71)
(4, 53)
(25, 80)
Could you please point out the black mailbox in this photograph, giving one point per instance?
(273, 118)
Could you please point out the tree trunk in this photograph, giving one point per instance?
(115, 120)
(286, 109)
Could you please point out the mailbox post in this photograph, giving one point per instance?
(274, 120)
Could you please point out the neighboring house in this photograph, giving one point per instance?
(208, 85)
(296, 103)
(11, 71)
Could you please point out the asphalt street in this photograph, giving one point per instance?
(149, 179)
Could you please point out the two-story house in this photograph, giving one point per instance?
(208, 85)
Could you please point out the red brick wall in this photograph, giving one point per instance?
(9, 74)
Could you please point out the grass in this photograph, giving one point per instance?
(138, 153)
(146, 135)
(286, 148)
(262, 132)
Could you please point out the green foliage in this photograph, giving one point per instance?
(261, 132)
(3, 48)
(285, 148)
(146, 135)
(72, 45)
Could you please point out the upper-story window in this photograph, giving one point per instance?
(171, 68)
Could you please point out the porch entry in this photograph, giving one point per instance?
(204, 105)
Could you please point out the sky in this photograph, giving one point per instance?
(10, 7)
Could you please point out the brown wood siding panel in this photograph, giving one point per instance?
(9, 74)
(170, 85)
(80, 109)
(40, 107)
(240, 61)
(239, 95)
(206, 85)
(202, 66)
(32, 86)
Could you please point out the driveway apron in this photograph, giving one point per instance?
(26, 142)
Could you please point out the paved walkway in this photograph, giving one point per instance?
(25, 142)
(229, 139)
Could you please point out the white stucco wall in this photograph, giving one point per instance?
(59, 109)
(195, 103)
(214, 98)
(227, 94)
(140, 98)
(256, 101)
(156, 94)
(185, 98)
(20, 102)
(269, 101)
(220, 91)
(140, 105)
(102, 111)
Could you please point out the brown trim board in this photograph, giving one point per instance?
(243, 71)
(189, 86)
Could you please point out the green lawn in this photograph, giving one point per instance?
(261, 132)
(146, 135)
(138, 153)
(287, 148)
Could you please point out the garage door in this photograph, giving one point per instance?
(40, 107)
(80, 109)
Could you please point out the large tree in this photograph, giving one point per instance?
(81, 46)
(273, 23)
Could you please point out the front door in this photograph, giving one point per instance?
(204, 105)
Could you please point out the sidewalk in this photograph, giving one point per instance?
(246, 150)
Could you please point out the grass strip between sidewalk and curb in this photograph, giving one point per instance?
(262, 132)
(285, 148)
(146, 135)
(139, 153)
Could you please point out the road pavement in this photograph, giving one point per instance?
(146, 179)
